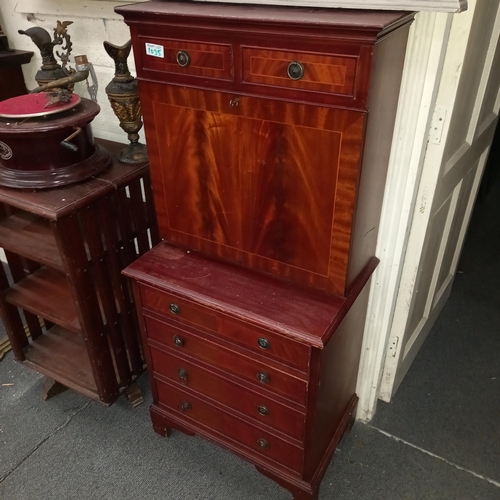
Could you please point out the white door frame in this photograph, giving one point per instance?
(421, 76)
(443, 183)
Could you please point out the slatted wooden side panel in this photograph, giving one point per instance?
(117, 229)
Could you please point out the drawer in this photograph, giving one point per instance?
(257, 372)
(263, 444)
(257, 339)
(252, 404)
(264, 342)
(329, 73)
(177, 309)
(180, 57)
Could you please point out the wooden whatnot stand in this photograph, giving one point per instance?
(65, 250)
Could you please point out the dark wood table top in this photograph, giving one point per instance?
(14, 57)
(55, 203)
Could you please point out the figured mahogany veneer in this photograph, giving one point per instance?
(257, 202)
(269, 132)
(252, 166)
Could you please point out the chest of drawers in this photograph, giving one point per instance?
(269, 132)
(260, 366)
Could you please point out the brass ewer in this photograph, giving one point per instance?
(51, 70)
(123, 96)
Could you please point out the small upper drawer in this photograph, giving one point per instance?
(174, 56)
(251, 337)
(177, 309)
(329, 73)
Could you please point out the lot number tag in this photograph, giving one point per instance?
(154, 50)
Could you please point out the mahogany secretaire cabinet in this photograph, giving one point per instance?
(269, 132)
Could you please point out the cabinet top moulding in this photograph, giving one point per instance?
(364, 25)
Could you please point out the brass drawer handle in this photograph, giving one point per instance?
(183, 58)
(264, 343)
(263, 410)
(263, 444)
(178, 341)
(174, 308)
(185, 406)
(295, 70)
(263, 377)
(183, 375)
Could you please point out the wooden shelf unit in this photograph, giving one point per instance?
(62, 285)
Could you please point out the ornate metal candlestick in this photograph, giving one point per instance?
(124, 98)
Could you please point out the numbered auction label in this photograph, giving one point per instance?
(154, 50)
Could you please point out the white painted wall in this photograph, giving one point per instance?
(93, 22)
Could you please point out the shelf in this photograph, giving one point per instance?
(62, 355)
(30, 236)
(46, 293)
